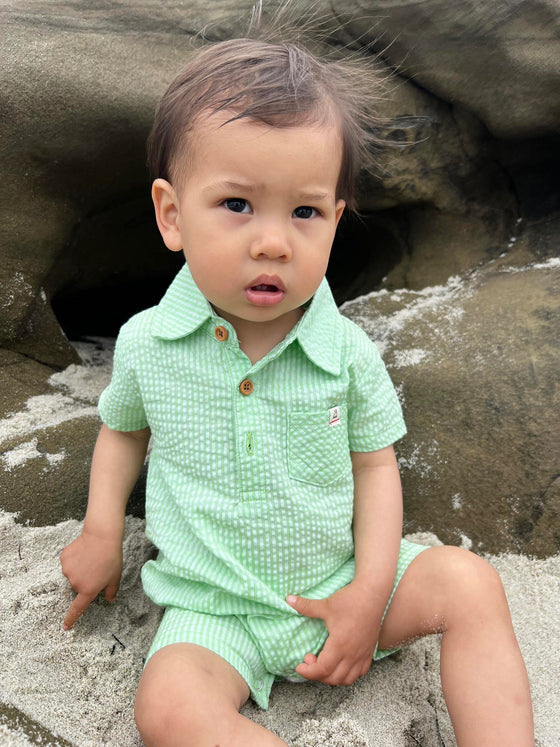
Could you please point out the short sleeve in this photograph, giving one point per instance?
(375, 418)
(120, 406)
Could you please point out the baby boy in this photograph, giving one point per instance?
(273, 492)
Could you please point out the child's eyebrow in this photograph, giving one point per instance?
(231, 186)
(313, 196)
(242, 187)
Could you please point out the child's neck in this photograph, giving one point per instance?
(256, 339)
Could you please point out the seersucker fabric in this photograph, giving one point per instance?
(250, 492)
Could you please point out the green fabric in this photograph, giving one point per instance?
(262, 648)
(249, 498)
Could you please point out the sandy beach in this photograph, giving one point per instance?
(80, 685)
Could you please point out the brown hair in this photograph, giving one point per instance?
(278, 84)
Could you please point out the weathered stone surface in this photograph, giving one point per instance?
(79, 90)
(449, 202)
(79, 87)
(477, 364)
(500, 60)
(48, 431)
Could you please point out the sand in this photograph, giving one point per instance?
(78, 687)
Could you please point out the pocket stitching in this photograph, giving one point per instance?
(309, 429)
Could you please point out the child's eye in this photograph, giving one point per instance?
(305, 212)
(237, 205)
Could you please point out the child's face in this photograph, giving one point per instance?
(255, 216)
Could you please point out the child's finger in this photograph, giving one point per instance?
(76, 610)
(111, 590)
(308, 607)
(320, 668)
(332, 672)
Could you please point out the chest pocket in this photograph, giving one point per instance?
(318, 451)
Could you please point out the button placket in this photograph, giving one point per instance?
(249, 408)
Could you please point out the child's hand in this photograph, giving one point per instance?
(91, 564)
(353, 619)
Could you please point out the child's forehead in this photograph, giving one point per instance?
(228, 129)
(221, 140)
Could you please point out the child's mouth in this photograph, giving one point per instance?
(265, 291)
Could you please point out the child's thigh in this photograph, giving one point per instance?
(440, 584)
(232, 648)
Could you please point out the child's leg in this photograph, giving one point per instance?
(190, 696)
(454, 592)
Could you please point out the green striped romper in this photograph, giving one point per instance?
(249, 495)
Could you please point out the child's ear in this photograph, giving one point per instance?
(166, 204)
(339, 209)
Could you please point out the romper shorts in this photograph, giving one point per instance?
(262, 648)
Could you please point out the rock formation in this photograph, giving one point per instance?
(467, 188)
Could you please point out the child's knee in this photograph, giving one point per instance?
(165, 706)
(189, 691)
(160, 716)
(471, 584)
(156, 712)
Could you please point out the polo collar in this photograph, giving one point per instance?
(319, 332)
(183, 309)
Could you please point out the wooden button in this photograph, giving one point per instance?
(246, 387)
(221, 333)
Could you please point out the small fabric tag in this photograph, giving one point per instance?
(334, 416)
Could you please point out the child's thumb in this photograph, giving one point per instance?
(307, 607)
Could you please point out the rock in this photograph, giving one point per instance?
(77, 236)
(47, 434)
(436, 153)
(80, 91)
(446, 202)
(499, 60)
(476, 362)
(476, 131)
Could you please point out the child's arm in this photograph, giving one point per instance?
(354, 614)
(93, 562)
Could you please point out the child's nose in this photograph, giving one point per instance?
(271, 243)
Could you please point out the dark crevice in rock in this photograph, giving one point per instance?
(35, 359)
(365, 250)
(533, 167)
(113, 266)
(100, 310)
